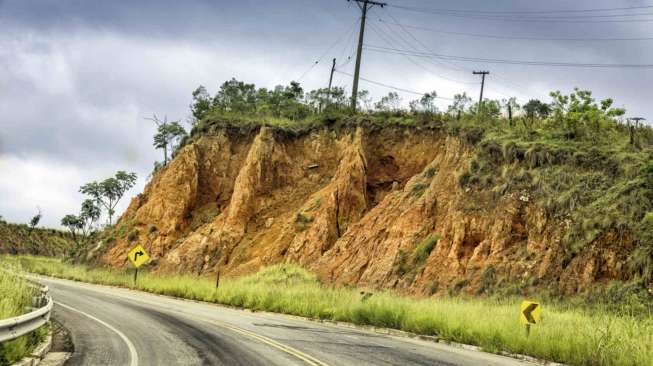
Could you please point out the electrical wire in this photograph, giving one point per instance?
(478, 35)
(594, 10)
(392, 87)
(512, 18)
(349, 30)
(385, 37)
(504, 61)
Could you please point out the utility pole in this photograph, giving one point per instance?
(480, 100)
(364, 5)
(333, 69)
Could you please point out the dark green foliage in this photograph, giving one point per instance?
(302, 221)
(133, 235)
(400, 266)
(424, 249)
(432, 288)
(457, 287)
(152, 229)
(430, 172)
(488, 279)
(418, 189)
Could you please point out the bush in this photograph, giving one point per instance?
(133, 235)
(424, 249)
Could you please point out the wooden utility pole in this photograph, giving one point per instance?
(333, 69)
(480, 100)
(364, 5)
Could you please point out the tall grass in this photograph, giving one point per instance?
(575, 336)
(15, 297)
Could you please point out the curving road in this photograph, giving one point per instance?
(113, 326)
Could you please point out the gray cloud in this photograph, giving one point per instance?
(78, 77)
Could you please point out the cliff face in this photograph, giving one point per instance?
(373, 207)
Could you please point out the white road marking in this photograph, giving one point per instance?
(132, 350)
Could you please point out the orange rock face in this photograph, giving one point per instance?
(356, 206)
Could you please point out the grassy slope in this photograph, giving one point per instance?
(15, 295)
(575, 336)
(19, 239)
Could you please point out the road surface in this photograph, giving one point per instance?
(113, 326)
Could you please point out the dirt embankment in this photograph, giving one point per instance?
(374, 207)
(21, 239)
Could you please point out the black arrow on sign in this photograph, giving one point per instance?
(528, 313)
(140, 252)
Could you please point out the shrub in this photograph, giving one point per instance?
(133, 235)
(418, 189)
(424, 249)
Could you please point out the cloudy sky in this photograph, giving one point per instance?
(79, 77)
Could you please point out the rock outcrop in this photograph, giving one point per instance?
(375, 207)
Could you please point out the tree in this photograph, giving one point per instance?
(73, 223)
(84, 222)
(535, 108)
(578, 113)
(89, 215)
(489, 108)
(109, 192)
(389, 103)
(201, 104)
(168, 135)
(364, 100)
(35, 220)
(425, 104)
(511, 106)
(461, 103)
(236, 96)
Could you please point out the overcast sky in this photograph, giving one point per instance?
(77, 78)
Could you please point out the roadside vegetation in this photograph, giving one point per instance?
(15, 299)
(25, 239)
(575, 335)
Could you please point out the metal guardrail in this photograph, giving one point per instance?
(13, 328)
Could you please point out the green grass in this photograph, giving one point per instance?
(15, 297)
(573, 335)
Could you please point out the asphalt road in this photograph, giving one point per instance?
(113, 326)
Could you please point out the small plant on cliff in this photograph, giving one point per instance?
(302, 221)
(424, 249)
(418, 189)
(133, 235)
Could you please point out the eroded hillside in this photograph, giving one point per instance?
(389, 207)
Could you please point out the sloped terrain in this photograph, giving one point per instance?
(418, 208)
(21, 239)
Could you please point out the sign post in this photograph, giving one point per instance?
(530, 314)
(138, 256)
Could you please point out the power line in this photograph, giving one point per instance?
(479, 35)
(504, 61)
(514, 18)
(594, 10)
(349, 30)
(440, 60)
(392, 87)
(391, 43)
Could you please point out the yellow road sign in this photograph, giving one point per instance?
(138, 256)
(530, 312)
